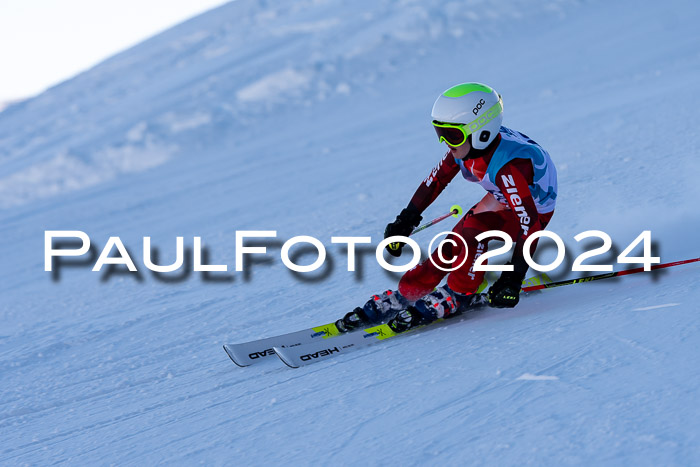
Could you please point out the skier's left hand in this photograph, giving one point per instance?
(505, 292)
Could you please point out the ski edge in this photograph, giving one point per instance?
(231, 354)
(279, 351)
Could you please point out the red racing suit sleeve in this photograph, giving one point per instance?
(514, 180)
(430, 188)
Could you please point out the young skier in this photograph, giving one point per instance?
(521, 184)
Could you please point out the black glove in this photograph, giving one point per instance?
(505, 292)
(403, 225)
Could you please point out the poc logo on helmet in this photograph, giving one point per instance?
(478, 107)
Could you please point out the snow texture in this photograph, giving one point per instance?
(312, 118)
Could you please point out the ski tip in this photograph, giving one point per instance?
(231, 355)
(280, 353)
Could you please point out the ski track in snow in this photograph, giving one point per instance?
(656, 307)
(312, 118)
(531, 377)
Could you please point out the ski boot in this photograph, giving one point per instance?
(440, 303)
(356, 319)
(405, 320)
(374, 311)
(468, 301)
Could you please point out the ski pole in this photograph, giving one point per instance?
(455, 211)
(605, 276)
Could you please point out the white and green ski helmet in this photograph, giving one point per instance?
(475, 105)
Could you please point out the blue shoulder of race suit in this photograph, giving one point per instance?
(516, 145)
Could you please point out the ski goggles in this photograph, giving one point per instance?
(456, 134)
(453, 134)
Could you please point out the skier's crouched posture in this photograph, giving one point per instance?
(521, 184)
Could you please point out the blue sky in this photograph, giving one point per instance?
(43, 42)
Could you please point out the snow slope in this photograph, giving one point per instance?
(311, 118)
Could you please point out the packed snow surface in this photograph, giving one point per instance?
(312, 118)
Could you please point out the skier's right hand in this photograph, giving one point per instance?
(403, 226)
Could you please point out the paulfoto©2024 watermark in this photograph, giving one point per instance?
(114, 244)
